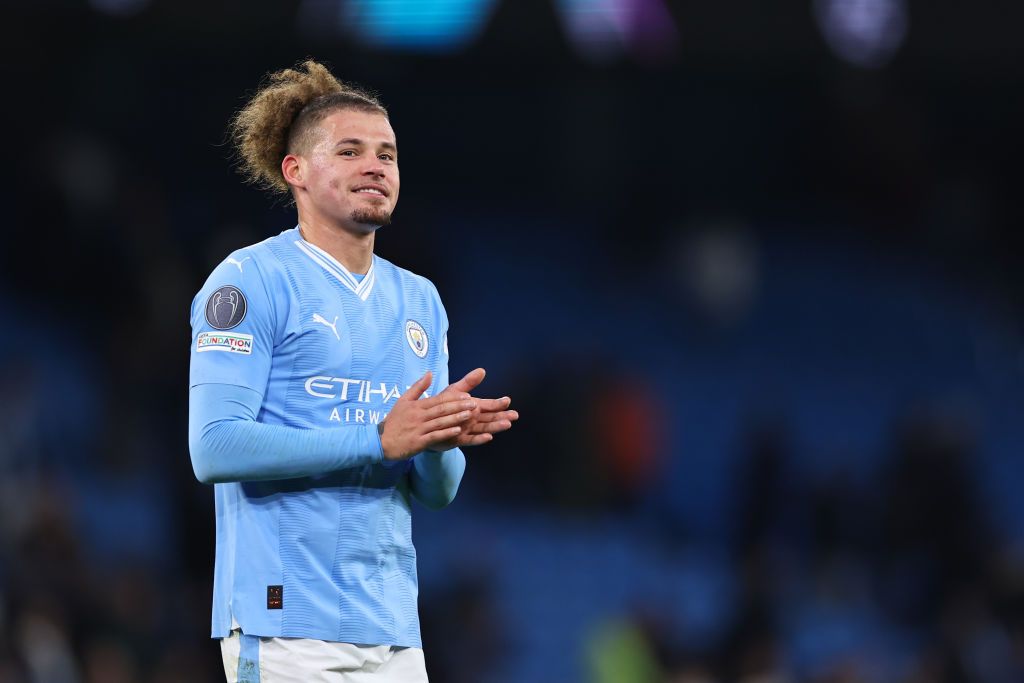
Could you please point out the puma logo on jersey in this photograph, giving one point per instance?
(237, 263)
(317, 318)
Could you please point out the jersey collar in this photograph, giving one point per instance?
(361, 289)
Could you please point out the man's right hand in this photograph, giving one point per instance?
(415, 425)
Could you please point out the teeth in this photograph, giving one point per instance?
(371, 190)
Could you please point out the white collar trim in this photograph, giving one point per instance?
(361, 289)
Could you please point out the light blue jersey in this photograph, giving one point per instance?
(328, 556)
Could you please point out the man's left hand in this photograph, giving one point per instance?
(491, 415)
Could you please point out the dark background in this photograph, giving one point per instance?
(752, 276)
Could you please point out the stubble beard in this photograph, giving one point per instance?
(375, 218)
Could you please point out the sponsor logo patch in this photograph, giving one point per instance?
(226, 308)
(224, 341)
(417, 338)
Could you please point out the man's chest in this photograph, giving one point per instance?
(350, 361)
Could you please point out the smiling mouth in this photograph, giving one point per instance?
(372, 191)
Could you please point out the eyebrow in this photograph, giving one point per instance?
(359, 143)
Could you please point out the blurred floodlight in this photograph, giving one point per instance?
(597, 27)
(866, 33)
(119, 8)
(432, 25)
(603, 29)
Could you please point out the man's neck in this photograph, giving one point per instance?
(352, 249)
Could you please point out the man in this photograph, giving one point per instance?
(302, 344)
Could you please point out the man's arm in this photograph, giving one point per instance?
(225, 395)
(435, 477)
(228, 444)
(436, 474)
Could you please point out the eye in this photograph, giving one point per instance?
(385, 156)
(347, 153)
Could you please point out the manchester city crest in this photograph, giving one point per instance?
(225, 308)
(417, 338)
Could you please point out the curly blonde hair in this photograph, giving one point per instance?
(281, 117)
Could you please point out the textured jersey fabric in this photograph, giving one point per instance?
(326, 553)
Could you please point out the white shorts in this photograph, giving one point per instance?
(251, 659)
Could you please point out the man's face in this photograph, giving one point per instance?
(352, 170)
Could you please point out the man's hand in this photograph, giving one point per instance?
(414, 425)
(490, 416)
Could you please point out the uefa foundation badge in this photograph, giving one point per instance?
(224, 341)
(417, 338)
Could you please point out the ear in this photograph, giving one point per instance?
(293, 170)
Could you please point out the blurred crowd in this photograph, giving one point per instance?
(900, 581)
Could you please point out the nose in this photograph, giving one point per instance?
(374, 168)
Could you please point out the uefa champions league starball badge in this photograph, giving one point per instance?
(226, 308)
(417, 338)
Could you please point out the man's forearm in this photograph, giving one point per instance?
(227, 444)
(435, 477)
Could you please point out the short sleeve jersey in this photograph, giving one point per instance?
(330, 556)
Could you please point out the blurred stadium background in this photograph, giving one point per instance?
(751, 272)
